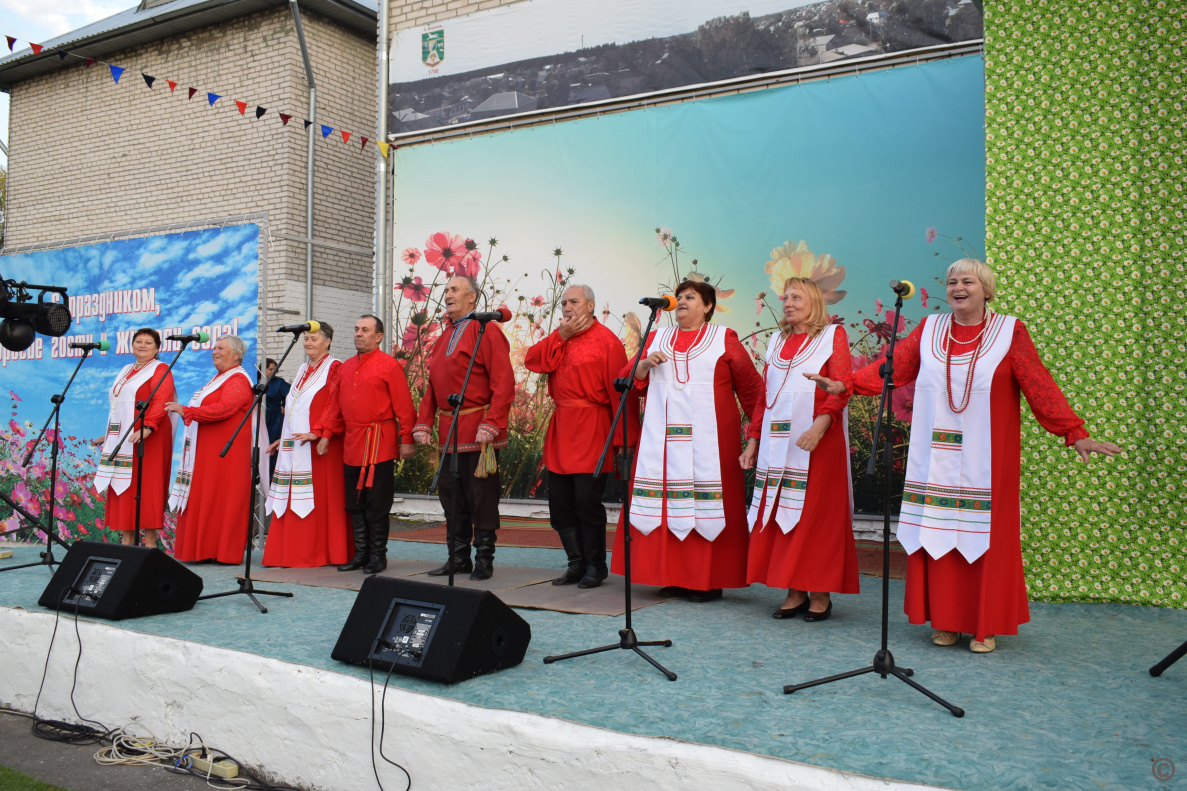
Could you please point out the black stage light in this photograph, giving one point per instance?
(23, 318)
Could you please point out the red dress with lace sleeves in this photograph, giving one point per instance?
(120, 510)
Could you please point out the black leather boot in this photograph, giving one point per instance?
(593, 547)
(484, 554)
(378, 562)
(576, 567)
(461, 562)
(362, 547)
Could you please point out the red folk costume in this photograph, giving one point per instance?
(986, 596)
(488, 395)
(320, 535)
(817, 552)
(212, 495)
(119, 479)
(370, 396)
(581, 377)
(661, 557)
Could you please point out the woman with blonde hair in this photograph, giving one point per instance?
(801, 515)
(964, 460)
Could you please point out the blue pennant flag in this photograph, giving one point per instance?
(116, 71)
(212, 98)
(326, 130)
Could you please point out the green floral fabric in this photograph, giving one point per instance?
(1084, 226)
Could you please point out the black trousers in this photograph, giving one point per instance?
(477, 498)
(575, 503)
(374, 503)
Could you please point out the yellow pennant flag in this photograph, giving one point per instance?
(383, 147)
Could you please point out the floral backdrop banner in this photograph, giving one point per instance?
(177, 284)
(853, 182)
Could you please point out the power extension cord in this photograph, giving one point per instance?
(223, 768)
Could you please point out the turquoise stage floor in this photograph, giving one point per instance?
(1066, 704)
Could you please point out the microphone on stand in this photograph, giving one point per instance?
(666, 302)
(309, 326)
(197, 337)
(100, 345)
(904, 288)
(502, 315)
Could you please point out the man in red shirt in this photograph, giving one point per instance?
(370, 397)
(482, 421)
(581, 357)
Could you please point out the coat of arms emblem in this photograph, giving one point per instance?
(432, 47)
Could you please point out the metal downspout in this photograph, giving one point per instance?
(309, 160)
(383, 267)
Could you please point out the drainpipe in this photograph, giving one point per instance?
(308, 161)
(383, 270)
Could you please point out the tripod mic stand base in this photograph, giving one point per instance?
(628, 640)
(247, 588)
(1168, 660)
(47, 559)
(884, 666)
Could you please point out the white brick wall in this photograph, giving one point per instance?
(413, 13)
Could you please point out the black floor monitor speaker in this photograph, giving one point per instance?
(431, 631)
(117, 581)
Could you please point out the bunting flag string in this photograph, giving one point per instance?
(211, 97)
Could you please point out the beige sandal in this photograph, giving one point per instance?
(940, 637)
(983, 646)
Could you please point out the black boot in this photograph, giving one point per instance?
(461, 562)
(576, 567)
(378, 560)
(362, 547)
(594, 576)
(593, 546)
(484, 554)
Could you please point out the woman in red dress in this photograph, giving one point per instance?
(135, 383)
(688, 494)
(212, 495)
(310, 525)
(801, 519)
(963, 465)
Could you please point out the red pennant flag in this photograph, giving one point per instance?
(90, 62)
(192, 92)
(284, 119)
(364, 145)
(345, 136)
(36, 49)
(241, 105)
(11, 42)
(172, 85)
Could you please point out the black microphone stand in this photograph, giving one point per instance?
(141, 409)
(883, 663)
(51, 534)
(627, 639)
(1168, 660)
(246, 586)
(456, 400)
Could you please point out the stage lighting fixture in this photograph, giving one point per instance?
(23, 319)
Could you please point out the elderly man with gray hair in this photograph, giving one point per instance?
(581, 358)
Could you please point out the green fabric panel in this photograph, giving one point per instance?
(1084, 227)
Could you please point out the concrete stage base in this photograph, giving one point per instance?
(307, 726)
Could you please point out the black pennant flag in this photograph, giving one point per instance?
(308, 124)
(260, 111)
(62, 54)
(147, 79)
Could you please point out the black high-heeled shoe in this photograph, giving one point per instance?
(812, 617)
(792, 612)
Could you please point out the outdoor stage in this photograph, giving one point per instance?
(1066, 704)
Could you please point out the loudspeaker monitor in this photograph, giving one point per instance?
(431, 631)
(117, 581)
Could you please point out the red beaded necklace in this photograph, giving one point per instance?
(135, 369)
(786, 373)
(968, 380)
(676, 355)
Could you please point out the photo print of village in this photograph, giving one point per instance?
(719, 49)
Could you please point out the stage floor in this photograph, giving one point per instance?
(1066, 704)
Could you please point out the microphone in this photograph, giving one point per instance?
(501, 315)
(100, 345)
(904, 288)
(309, 326)
(666, 302)
(197, 337)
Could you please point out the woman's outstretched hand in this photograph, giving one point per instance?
(827, 385)
(1086, 447)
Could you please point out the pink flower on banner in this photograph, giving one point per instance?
(754, 344)
(877, 306)
(411, 256)
(16, 428)
(605, 311)
(536, 302)
(415, 289)
(931, 235)
(902, 402)
(923, 296)
(759, 303)
(838, 320)
(663, 236)
(859, 361)
(408, 342)
(560, 278)
(897, 326)
(13, 396)
(445, 251)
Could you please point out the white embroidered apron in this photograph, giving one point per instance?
(292, 481)
(122, 412)
(179, 495)
(946, 498)
(679, 459)
(781, 477)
